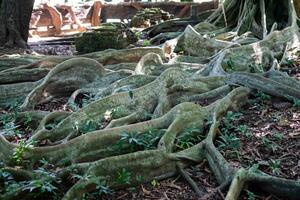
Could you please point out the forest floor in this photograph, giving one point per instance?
(265, 133)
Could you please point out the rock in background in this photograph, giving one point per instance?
(150, 16)
(106, 36)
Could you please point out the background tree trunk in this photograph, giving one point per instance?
(15, 16)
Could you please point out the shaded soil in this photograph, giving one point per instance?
(273, 135)
(58, 104)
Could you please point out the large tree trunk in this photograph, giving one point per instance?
(15, 16)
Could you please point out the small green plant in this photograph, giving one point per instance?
(103, 189)
(230, 118)
(189, 137)
(250, 195)
(141, 141)
(27, 121)
(41, 185)
(138, 34)
(138, 178)
(123, 177)
(87, 126)
(262, 96)
(296, 101)
(278, 136)
(11, 129)
(130, 93)
(288, 61)
(72, 105)
(44, 184)
(275, 166)
(256, 68)
(244, 130)
(154, 183)
(20, 150)
(7, 182)
(133, 139)
(117, 112)
(229, 142)
(269, 144)
(14, 107)
(146, 43)
(230, 65)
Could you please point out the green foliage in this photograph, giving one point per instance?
(138, 34)
(288, 61)
(41, 186)
(101, 187)
(189, 137)
(7, 182)
(244, 130)
(20, 150)
(278, 136)
(274, 165)
(230, 65)
(262, 96)
(139, 178)
(8, 122)
(117, 112)
(229, 142)
(141, 141)
(296, 101)
(154, 183)
(269, 144)
(44, 183)
(256, 68)
(27, 121)
(230, 118)
(11, 129)
(14, 107)
(123, 177)
(250, 195)
(87, 126)
(130, 93)
(146, 43)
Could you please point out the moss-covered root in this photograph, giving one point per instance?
(279, 88)
(150, 99)
(106, 57)
(64, 79)
(280, 187)
(191, 40)
(152, 64)
(16, 92)
(157, 163)
(22, 75)
(142, 166)
(112, 56)
(6, 149)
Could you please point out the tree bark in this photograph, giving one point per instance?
(15, 16)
